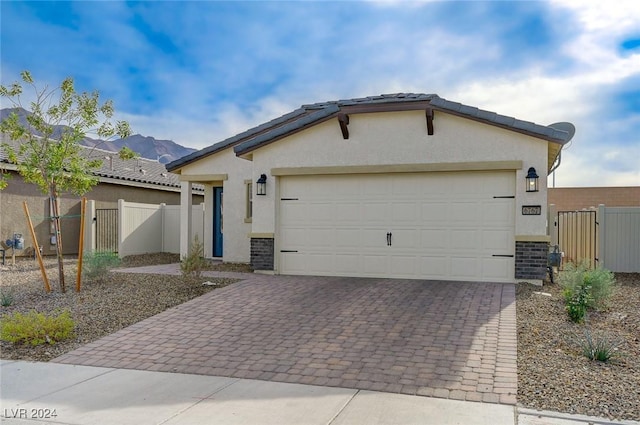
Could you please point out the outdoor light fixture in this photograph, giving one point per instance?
(261, 185)
(532, 180)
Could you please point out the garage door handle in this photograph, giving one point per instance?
(503, 255)
(389, 235)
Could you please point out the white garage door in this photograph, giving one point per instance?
(450, 225)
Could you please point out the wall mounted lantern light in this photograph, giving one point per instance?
(261, 185)
(532, 180)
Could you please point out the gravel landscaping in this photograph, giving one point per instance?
(100, 308)
(552, 372)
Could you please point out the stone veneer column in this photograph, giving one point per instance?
(531, 259)
(262, 252)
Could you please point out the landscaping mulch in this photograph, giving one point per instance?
(553, 373)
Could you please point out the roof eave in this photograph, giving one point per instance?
(314, 118)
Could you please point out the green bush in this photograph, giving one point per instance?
(599, 347)
(36, 328)
(193, 263)
(6, 298)
(96, 264)
(598, 284)
(577, 303)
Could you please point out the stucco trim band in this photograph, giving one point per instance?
(533, 238)
(262, 235)
(203, 177)
(399, 168)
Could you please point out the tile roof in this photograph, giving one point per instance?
(140, 170)
(315, 113)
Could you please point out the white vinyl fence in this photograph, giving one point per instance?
(144, 228)
(620, 238)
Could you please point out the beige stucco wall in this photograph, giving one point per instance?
(12, 217)
(236, 242)
(401, 138)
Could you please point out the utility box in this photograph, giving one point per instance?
(555, 257)
(18, 241)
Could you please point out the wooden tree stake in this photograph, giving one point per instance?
(47, 287)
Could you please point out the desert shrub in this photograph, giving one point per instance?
(193, 263)
(597, 282)
(577, 302)
(35, 328)
(6, 298)
(96, 264)
(599, 347)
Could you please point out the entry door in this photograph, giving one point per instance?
(217, 222)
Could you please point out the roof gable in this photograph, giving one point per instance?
(313, 114)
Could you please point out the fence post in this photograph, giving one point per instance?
(120, 226)
(90, 227)
(163, 212)
(601, 218)
(186, 209)
(552, 226)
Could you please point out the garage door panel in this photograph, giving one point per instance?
(464, 239)
(373, 239)
(465, 213)
(436, 267)
(405, 213)
(347, 264)
(497, 268)
(375, 213)
(496, 241)
(294, 263)
(348, 213)
(434, 239)
(348, 239)
(375, 265)
(465, 268)
(405, 239)
(295, 237)
(434, 212)
(403, 266)
(444, 225)
(497, 213)
(318, 263)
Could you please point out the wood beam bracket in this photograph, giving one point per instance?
(430, 115)
(343, 119)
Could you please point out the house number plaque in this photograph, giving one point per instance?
(531, 210)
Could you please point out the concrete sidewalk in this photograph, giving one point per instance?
(50, 393)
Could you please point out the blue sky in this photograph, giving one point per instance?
(198, 72)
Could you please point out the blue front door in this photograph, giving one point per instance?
(217, 222)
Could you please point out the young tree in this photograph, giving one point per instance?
(49, 153)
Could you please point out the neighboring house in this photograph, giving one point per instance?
(136, 180)
(578, 198)
(402, 186)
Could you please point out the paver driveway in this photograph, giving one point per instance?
(444, 339)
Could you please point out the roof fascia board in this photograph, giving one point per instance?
(504, 126)
(234, 140)
(288, 129)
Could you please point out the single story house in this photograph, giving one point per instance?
(135, 180)
(400, 186)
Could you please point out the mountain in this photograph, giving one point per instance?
(164, 151)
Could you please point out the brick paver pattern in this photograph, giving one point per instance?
(433, 338)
